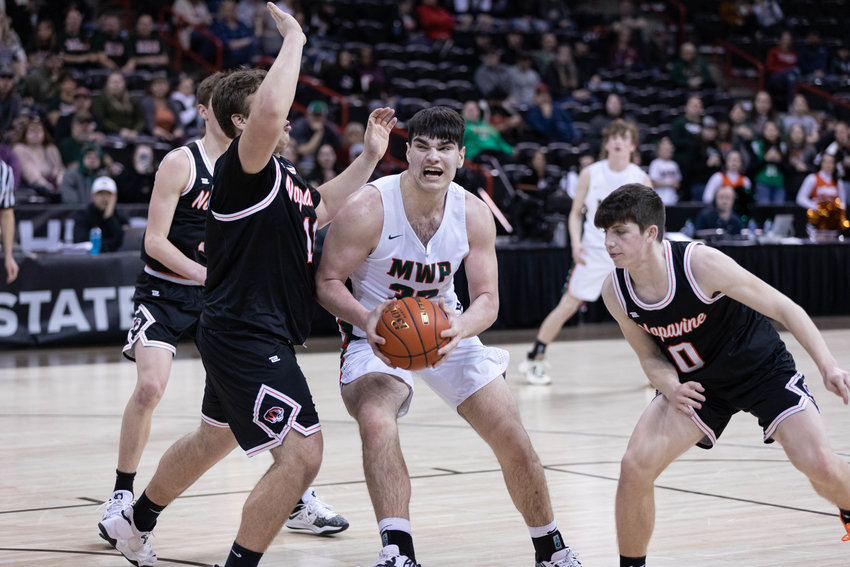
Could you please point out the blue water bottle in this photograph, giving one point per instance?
(95, 236)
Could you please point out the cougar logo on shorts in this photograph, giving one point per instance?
(274, 415)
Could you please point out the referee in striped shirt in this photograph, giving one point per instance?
(7, 219)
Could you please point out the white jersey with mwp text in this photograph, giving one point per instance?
(603, 180)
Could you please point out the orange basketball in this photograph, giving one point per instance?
(411, 327)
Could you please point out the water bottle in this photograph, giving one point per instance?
(768, 227)
(95, 236)
(559, 238)
(752, 226)
(689, 228)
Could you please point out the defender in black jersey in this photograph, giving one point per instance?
(258, 302)
(698, 323)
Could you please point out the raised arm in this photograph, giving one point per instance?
(273, 98)
(337, 190)
(659, 371)
(171, 179)
(716, 272)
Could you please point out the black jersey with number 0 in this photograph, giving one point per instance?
(259, 242)
(711, 340)
(187, 227)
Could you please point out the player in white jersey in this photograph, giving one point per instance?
(407, 235)
(590, 261)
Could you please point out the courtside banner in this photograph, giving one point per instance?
(68, 299)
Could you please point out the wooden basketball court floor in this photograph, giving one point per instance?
(739, 504)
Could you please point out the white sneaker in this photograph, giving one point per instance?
(563, 558)
(121, 533)
(391, 556)
(534, 372)
(117, 503)
(317, 517)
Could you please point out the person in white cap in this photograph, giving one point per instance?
(101, 213)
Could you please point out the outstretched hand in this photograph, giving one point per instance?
(378, 128)
(285, 23)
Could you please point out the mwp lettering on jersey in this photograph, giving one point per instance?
(686, 325)
(425, 273)
(202, 201)
(297, 196)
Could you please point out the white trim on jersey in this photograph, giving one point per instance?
(254, 208)
(141, 336)
(671, 284)
(213, 422)
(801, 405)
(704, 428)
(192, 168)
(618, 292)
(704, 297)
(7, 186)
(170, 277)
(210, 166)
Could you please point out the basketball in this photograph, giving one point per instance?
(411, 327)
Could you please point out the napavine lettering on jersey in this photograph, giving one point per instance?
(297, 196)
(425, 273)
(686, 325)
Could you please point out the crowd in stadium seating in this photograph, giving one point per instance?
(87, 92)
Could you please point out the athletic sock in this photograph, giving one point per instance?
(538, 350)
(632, 561)
(396, 531)
(241, 557)
(124, 481)
(145, 513)
(547, 540)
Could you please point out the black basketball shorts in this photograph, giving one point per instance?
(255, 386)
(165, 313)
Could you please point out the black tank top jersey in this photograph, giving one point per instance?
(187, 227)
(259, 241)
(711, 340)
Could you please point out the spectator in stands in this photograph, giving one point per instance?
(373, 83)
(821, 186)
(548, 122)
(9, 157)
(74, 42)
(77, 182)
(109, 44)
(81, 109)
(742, 131)
(562, 75)
(627, 20)
(514, 45)
(189, 13)
(720, 215)
(41, 164)
(539, 179)
(148, 51)
(11, 51)
(62, 104)
(839, 64)
(545, 54)
(840, 148)
(613, 109)
(707, 160)
(82, 134)
(782, 67)
(800, 114)
(523, 80)
(343, 76)
(353, 137)
(480, 136)
(624, 55)
(405, 24)
(813, 57)
(116, 111)
(240, 45)
(10, 100)
(768, 16)
(665, 174)
(100, 213)
(183, 98)
(491, 74)
(768, 164)
(42, 43)
(313, 130)
(685, 135)
(504, 116)
(587, 62)
(7, 220)
(730, 176)
(325, 166)
(801, 155)
(162, 115)
(135, 181)
(41, 83)
(660, 50)
(762, 111)
(436, 22)
(690, 70)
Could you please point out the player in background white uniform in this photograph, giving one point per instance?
(591, 262)
(406, 235)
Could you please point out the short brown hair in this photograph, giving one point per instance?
(230, 96)
(204, 92)
(615, 128)
(633, 202)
